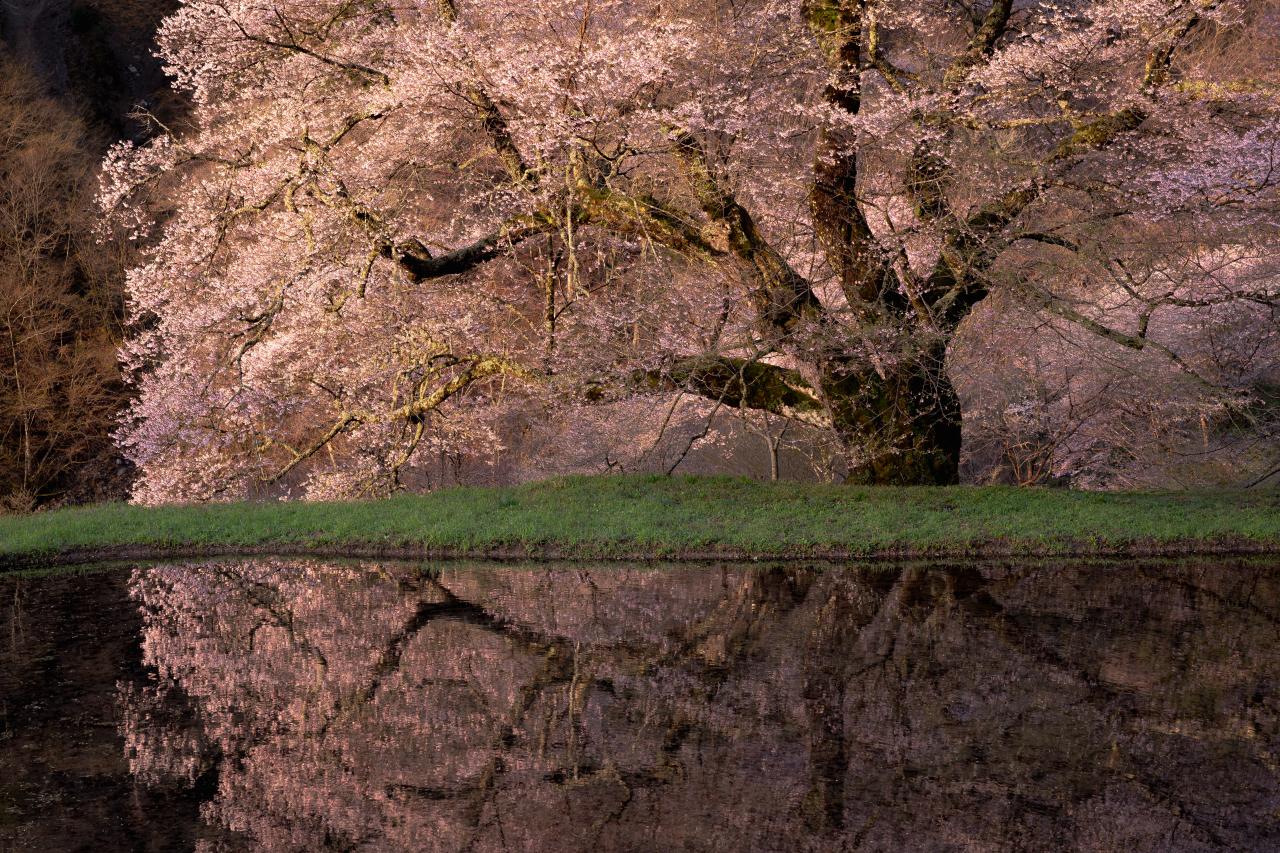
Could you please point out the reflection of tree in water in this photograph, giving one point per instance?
(489, 708)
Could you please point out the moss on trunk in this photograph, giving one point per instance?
(901, 428)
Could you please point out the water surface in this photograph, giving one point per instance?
(301, 705)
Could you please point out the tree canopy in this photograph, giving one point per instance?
(392, 228)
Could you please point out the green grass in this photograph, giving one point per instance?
(670, 517)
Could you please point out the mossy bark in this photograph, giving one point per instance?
(901, 426)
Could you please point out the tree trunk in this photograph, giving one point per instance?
(902, 427)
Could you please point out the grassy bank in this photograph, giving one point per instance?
(644, 517)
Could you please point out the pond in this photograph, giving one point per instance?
(283, 704)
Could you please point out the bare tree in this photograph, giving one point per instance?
(60, 308)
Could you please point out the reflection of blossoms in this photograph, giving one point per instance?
(163, 745)
(762, 708)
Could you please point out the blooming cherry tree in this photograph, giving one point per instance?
(391, 223)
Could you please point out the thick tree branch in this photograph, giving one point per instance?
(740, 383)
(876, 59)
(417, 261)
(864, 271)
(1160, 61)
(782, 296)
(645, 218)
(491, 119)
(480, 368)
(496, 128)
(982, 45)
(613, 211)
(958, 282)
(344, 423)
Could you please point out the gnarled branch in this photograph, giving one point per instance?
(781, 294)
(983, 43)
(740, 383)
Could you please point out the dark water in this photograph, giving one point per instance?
(291, 705)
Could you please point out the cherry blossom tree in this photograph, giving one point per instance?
(392, 223)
